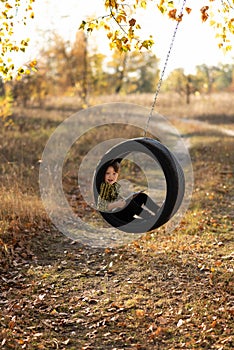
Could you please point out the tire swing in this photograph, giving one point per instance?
(172, 170)
(174, 176)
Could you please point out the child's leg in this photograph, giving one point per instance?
(126, 214)
(143, 200)
(151, 205)
(134, 207)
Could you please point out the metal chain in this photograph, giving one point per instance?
(163, 71)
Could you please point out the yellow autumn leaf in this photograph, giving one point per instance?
(111, 3)
(82, 25)
(132, 22)
(54, 312)
(120, 18)
(111, 45)
(228, 48)
(162, 9)
(170, 3)
(231, 25)
(161, 3)
(140, 313)
(106, 27)
(8, 6)
(33, 63)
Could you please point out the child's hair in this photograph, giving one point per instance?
(115, 165)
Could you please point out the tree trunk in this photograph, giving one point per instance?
(121, 75)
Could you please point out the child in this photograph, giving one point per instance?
(110, 199)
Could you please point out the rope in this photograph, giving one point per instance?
(163, 71)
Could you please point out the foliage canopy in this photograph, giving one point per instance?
(13, 14)
(120, 22)
(123, 28)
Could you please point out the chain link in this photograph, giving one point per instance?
(163, 71)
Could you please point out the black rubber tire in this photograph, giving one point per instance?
(174, 176)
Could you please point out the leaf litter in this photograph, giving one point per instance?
(164, 291)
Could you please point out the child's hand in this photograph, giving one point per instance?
(117, 204)
(120, 203)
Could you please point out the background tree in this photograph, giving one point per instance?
(98, 78)
(116, 68)
(214, 78)
(10, 21)
(207, 74)
(2, 88)
(133, 71)
(67, 64)
(223, 77)
(183, 84)
(231, 87)
(146, 66)
(207, 79)
(64, 68)
(31, 88)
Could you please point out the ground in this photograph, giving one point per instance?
(163, 291)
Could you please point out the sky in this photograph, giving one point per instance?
(195, 42)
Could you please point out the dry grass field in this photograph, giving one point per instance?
(163, 291)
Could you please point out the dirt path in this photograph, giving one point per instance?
(208, 126)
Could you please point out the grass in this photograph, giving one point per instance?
(167, 290)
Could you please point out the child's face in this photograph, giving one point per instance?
(111, 175)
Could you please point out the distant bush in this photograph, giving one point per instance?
(6, 101)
